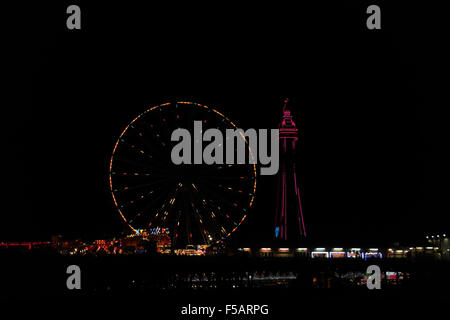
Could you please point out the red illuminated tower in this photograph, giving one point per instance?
(289, 223)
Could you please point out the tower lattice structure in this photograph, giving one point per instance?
(289, 220)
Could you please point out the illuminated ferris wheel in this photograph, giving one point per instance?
(195, 204)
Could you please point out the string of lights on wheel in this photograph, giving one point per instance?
(197, 204)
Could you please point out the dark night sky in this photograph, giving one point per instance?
(375, 152)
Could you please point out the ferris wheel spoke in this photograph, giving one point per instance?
(134, 163)
(199, 221)
(141, 153)
(228, 192)
(227, 189)
(228, 217)
(143, 197)
(143, 185)
(175, 227)
(162, 145)
(167, 206)
(157, 220)
(137, 179)
(210, 218)
(228, 183)
(157, 144)
(231, 172)
(142, 165)
(230, 208)
(224, 177)
(188, 225)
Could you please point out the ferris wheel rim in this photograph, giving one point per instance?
(253, 176)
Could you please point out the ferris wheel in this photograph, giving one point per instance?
(194, 204)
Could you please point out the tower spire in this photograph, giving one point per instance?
(285, 104)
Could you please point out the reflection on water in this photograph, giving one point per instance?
(235, 280)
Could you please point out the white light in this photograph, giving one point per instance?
(437, 236)
(355, 249)
(321, 253)
(444, 235)
(373, 249)
(337, 252)
(427, 237)
(320, 249)
(337, 249)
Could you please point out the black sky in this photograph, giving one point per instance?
(375, 150)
